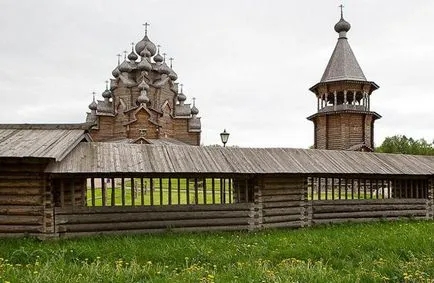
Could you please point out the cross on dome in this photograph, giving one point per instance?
(342, 10)
(146, 27)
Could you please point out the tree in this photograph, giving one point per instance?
(404, 145)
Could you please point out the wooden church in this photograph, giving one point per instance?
(344, 119)
(143, 103)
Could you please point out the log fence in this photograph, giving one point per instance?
(69, 206)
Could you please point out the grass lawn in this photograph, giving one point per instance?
(380, 252)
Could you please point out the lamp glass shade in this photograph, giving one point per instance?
(224, 136)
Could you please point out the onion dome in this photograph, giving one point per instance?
(93, 106)
(116, 71)
(143, 85)
(132, 56)
(145, 45)
(181, 96)
(158, 58)
(125, 66)
(164, 69)
(194, 110)
(107, 93)
(143, 98)
(145, 53)
(342, 27)
(172, 75)
(144, 64)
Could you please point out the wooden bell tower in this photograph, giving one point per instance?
(344, 120)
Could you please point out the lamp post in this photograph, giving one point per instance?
(224, 136)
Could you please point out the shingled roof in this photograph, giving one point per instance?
(156, 159)
(343, 64)
(53, 141)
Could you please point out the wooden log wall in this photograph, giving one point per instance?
(429, 200)
(79, 221)
(69, 192)
(282, 200)
(338, 211)
(22, 198)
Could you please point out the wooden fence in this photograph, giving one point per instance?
(150, 219)
(69, 206)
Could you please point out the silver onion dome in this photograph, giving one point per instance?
(125, 67)
(143, 97)
(107, 93)
(181, 96)
(143, 85)
(164, 69)
(132, 56)
(144, 64)
(172, 75)
(194, 110)
(146, 44)
(158, 58)
(116, 71)
(342, 25)
(145, 53)
(93, 106)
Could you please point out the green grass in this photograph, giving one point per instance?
(380, 252)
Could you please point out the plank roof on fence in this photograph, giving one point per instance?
(28, 140)
(138, 158)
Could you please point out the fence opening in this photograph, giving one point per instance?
(142, 191)
(326, 188)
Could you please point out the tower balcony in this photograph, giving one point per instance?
(341, 107)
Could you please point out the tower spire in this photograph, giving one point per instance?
(119, 58)
(171, 61)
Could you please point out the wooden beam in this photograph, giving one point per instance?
(113, 196)
(123, 191)
(103, 192)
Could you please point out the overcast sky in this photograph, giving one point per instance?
(248, 63)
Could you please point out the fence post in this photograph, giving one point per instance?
(306, 204)
(48, 225)
(429, 201)
(257, 208)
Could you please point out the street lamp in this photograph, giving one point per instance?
(224, 136)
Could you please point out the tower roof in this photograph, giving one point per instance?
(343, 64)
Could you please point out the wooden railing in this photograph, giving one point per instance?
(143, 191)
(326, 188)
